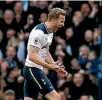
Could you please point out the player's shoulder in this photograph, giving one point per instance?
(37, 30)
(41, 28)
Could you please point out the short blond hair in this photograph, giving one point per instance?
(55, 12)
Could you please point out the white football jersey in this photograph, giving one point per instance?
(40, 38)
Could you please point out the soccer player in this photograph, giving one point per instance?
(38, 57)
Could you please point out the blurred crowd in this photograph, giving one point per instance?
(76, 46)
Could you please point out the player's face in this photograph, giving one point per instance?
(59, 22)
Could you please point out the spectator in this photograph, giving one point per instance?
(92, 65)
(11, 53)
(7, 22)
(9, 95)
(11, 77)
(89, 37)
(18, 22)
(18, 10)
(43, 17)
(4, 67)
(83, 55)
(75, 66)
(21, 48)
(86, 9)
(96, 41)
(79, 86)
(78, 30)
(29, 24)
(60, 54)
(10, 34)
(84, 97)
(62, 94)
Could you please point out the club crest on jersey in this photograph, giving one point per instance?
(36, 40)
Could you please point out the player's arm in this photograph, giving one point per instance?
(60, 72)
(36, 42)
(33, 56)
(49, 59)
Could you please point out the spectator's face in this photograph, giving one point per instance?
(4, 66)
(84, 98)
(58, 48)
(60, 41)
(91, 56)
(43, 17)
(30, 19)
(9, 97)
(42, 3)
(88, 35)
(74, 63)
(85, 9)
(77, 18)
(18, 17)
(69, 33)
(18, 8)
(58, 23)
(59, 51)
(10, 33)
(11, 52)
(62, 95)
(13, 73)
(8, 16)
(66, 4)
(78, 79)
(84, 52)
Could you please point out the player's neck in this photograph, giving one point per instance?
(49, 27)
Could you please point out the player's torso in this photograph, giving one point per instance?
(42, 53)
(47, 40)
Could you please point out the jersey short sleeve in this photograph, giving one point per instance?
(36, 38)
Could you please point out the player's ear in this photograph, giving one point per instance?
(54, 22)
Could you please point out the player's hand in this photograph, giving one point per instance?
(54, 66)
(59, 69)
(56, 62)
(61, 72)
